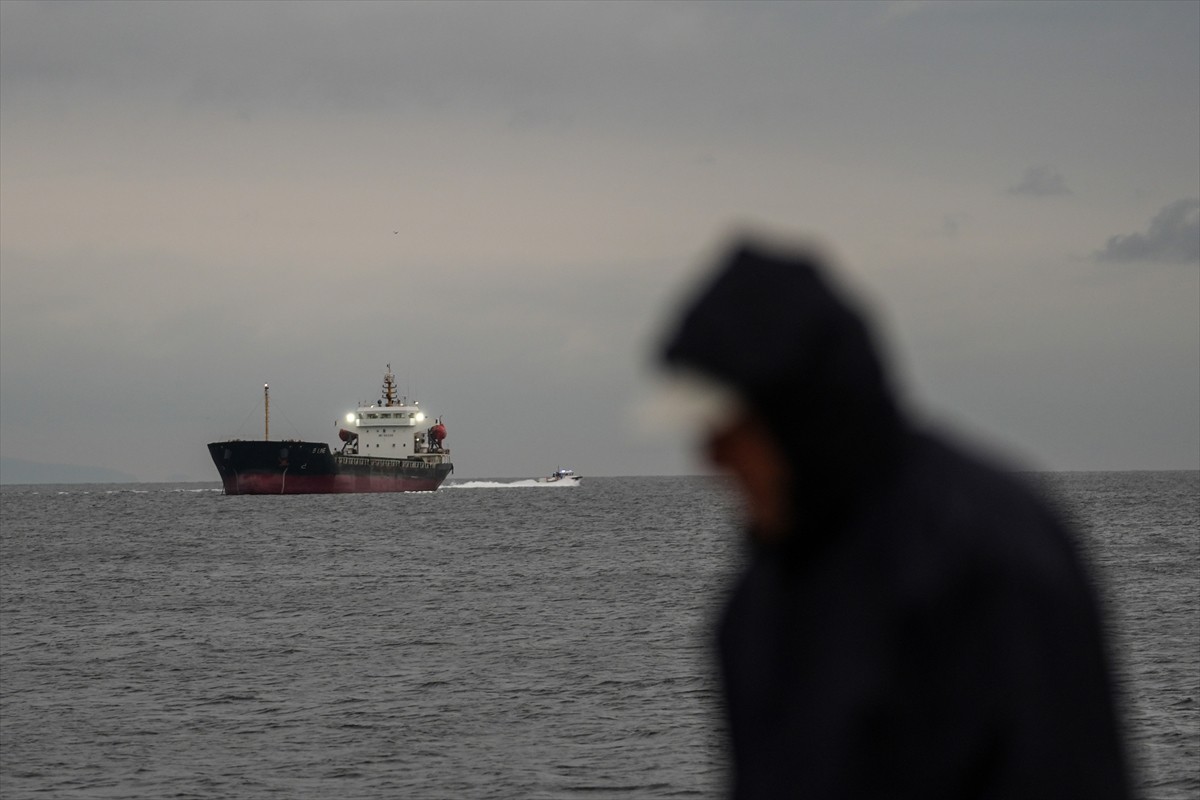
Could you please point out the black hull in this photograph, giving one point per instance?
(295, 467)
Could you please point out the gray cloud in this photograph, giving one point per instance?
(1040, 181)
(1173, 237)
(952, 224)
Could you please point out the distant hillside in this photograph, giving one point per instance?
(15, 470)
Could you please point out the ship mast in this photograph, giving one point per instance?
(266, 413)
(389, 388)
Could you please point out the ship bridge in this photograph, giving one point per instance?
(393, 428)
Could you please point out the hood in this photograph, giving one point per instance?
(770, 326)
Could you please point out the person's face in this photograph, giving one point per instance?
(749, 454)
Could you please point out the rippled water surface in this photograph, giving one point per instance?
(488, 640)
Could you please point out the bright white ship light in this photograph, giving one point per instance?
(350, 417)
(420, 416)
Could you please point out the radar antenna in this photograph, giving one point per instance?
(389, 388)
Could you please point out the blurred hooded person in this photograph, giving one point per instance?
(912, 622)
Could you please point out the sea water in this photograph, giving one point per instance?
(493, 639)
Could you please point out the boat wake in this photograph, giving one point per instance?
(528, 483)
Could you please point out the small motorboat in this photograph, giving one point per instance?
(561, 476)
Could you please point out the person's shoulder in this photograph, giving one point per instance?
(975, 514)
(969, 488)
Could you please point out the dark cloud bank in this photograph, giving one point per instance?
(1173, 237)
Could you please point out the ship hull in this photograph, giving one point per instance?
(295, 467)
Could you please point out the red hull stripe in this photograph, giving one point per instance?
(276, 483)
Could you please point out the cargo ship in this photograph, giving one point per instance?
(385, 447)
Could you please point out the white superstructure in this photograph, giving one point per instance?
(393, 428)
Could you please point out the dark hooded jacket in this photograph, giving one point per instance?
(926, 630)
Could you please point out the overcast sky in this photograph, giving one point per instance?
(503, 200)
